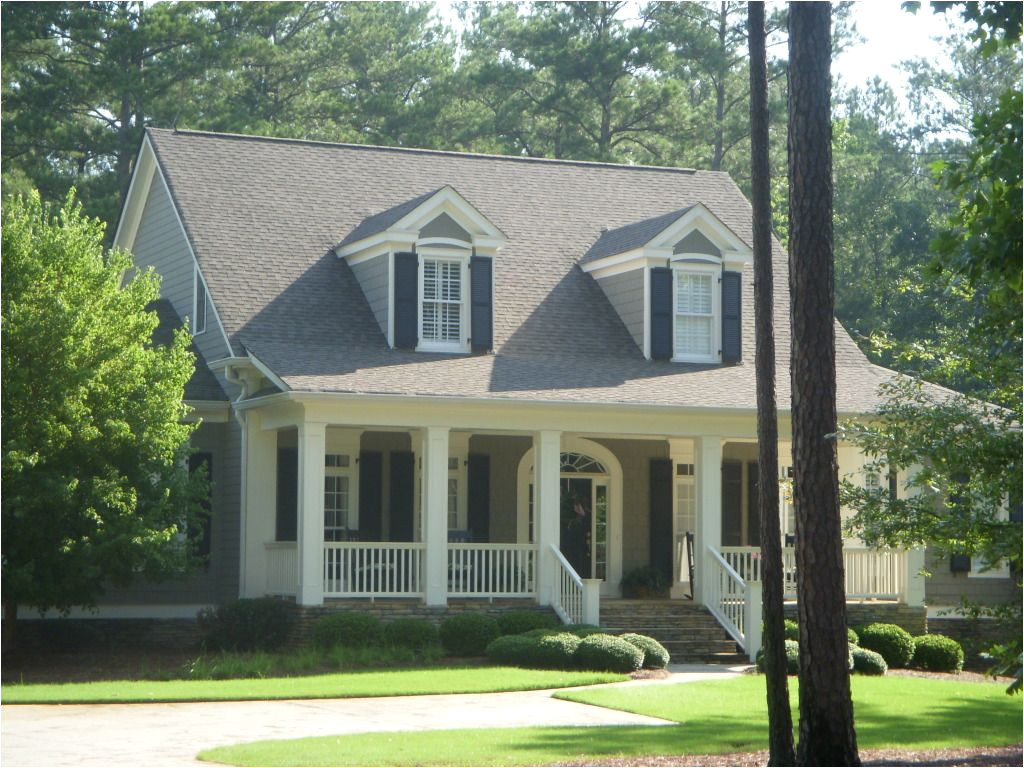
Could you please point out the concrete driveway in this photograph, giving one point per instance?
(172, 734)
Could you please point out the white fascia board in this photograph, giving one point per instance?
(392, 239)
(208, 411)
(640, 262)
(138, 194)
(704, 221)
(448, 200)
(272, 377)
(223, 363)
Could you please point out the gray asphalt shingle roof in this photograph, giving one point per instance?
(631, 236)
(379, 222)
(263, 215)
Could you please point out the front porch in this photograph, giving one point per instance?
(378, 511)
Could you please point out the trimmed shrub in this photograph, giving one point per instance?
(655, 654)
(540, 632)
(893, 642)
(604, 652)
(938, 653)
(517, 622)
(256, 624)
(416, 634)
(512, 650)
(551, 651)
(350, 629)
(584, 630)
(468, 634)
(867, 662)
(792, 630)
(792, 658)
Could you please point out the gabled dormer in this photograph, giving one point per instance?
(676, 282)
(426, 269)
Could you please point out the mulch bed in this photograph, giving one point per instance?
(979, 756)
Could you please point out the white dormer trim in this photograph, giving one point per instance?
(658, 251)
(485, 237)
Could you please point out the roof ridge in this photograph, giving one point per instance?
(423, 151)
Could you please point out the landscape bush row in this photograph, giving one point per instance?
(874, 648)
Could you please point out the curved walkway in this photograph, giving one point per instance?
(172, 734)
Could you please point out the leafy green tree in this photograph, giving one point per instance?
(80, 83)
(96, 488)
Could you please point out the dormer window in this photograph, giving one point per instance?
(442, 305)
(426, 269)
(696, 307)
(676, 282)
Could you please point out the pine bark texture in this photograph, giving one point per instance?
(827, 734)
(780, 718)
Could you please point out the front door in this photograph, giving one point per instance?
(577, 522)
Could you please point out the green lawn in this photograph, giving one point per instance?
(714, 717)
(409, 682)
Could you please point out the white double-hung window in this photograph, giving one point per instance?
(696, 310)
(443, 305)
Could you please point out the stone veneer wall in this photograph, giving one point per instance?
(913, 618)
(83, 634)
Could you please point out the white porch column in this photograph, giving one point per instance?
(547, 465)
(708, 451)
(259, 518)
(312, 439)
(435, 513)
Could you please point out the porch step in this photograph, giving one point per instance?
(688, 631)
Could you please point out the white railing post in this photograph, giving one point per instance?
(592, 602)
(752, 619)
(913, 580)
(435, 514)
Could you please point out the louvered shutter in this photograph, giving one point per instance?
(660, 531)
(661, 313)
(406, 291)
(481, 328)
(370, 495)
(731, 304)
(287, 494)
(478, 492)
(403, 484)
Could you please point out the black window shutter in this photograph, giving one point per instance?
(370, 490)
(732, 350)
(481, 325)
(661, 313)
(406, 300)
(959, 563)
(478, 506)
(661, 518)
(287, 494)
(402, 485)
(201, 534)
(732, 503)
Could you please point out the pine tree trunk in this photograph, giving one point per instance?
(826, 712)
(780, 718)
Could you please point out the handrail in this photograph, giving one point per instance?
(727, 598)
(568, 594)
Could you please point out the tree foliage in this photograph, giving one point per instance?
(96, 487)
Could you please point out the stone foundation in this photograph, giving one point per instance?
(913, 618)
(70, 635)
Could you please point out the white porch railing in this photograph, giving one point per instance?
(492, 570)
(870, 573)
(282, 568)
(575, 600)
(373, 569)
(735, 602)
